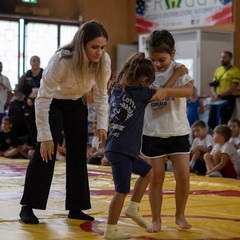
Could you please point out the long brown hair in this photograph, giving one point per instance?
(135, 67)
(77, 47)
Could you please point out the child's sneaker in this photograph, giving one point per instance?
(115, 234)
(134, 214)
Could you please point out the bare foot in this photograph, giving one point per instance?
(182, 222)
(155, 226)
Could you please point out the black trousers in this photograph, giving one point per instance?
(226, 112)
(71, 117)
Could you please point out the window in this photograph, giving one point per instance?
(21, 39)
(41, 40)
(9, 50)
(67, 33)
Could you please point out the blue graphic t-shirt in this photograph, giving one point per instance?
(126, 119)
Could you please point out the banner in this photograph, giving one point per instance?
(181, 14)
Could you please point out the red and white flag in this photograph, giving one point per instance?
(143, 25)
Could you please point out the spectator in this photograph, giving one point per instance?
(234, 126)
(8, 140)
(97, 152)
(28, 85)
(202, 144)
(16, 112)
(194, 107)
(225, 81)
(5, 93)
(61, 149)
(223, 161)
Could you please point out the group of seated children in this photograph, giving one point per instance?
(11, 145)
(96, 156)
(8, 140)
(217, 155)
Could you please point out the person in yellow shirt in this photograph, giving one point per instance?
(225, 82)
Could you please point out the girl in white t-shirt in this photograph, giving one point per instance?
(166, 129)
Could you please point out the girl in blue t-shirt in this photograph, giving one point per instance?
(128, 100)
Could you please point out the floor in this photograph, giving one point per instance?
(213, 208)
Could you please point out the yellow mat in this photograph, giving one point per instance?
(213, 208)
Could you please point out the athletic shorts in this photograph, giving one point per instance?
(122, 168)
(229, 171)
(154, 147)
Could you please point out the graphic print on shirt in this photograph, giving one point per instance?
(123, 108)
(161, 104)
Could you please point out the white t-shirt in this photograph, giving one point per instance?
(235, 140)
(168, 117)
(4, 91)
(205, 143)
(229, 149)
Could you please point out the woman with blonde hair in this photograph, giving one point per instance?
(72, 72)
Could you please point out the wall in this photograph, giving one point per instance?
(67, 10)
(118, 16)
(236, 32)
(119, 19)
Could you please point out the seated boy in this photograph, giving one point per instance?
(202, 143)
(223, 161)
(234, 125)
(97, 151)
(8, 140)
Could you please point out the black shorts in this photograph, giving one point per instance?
(154, 147)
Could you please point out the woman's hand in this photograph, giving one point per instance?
(102, 137)
(47, 150)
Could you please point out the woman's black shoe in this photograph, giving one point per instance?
(78, 214)
(27, 215)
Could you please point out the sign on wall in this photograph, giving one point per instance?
(30, 1)
(179, 14)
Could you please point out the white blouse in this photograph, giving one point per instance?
(59, 81)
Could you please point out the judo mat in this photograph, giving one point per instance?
(213, 208)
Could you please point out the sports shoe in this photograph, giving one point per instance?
(134, 214)
(115, 234)
(27, 215)
(78, 214)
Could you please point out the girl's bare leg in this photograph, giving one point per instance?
(115, 208)
(155, 193)
(181, 174)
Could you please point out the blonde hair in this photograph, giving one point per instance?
(224, 131)
(86, 33)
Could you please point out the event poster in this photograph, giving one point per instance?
(181, 14)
